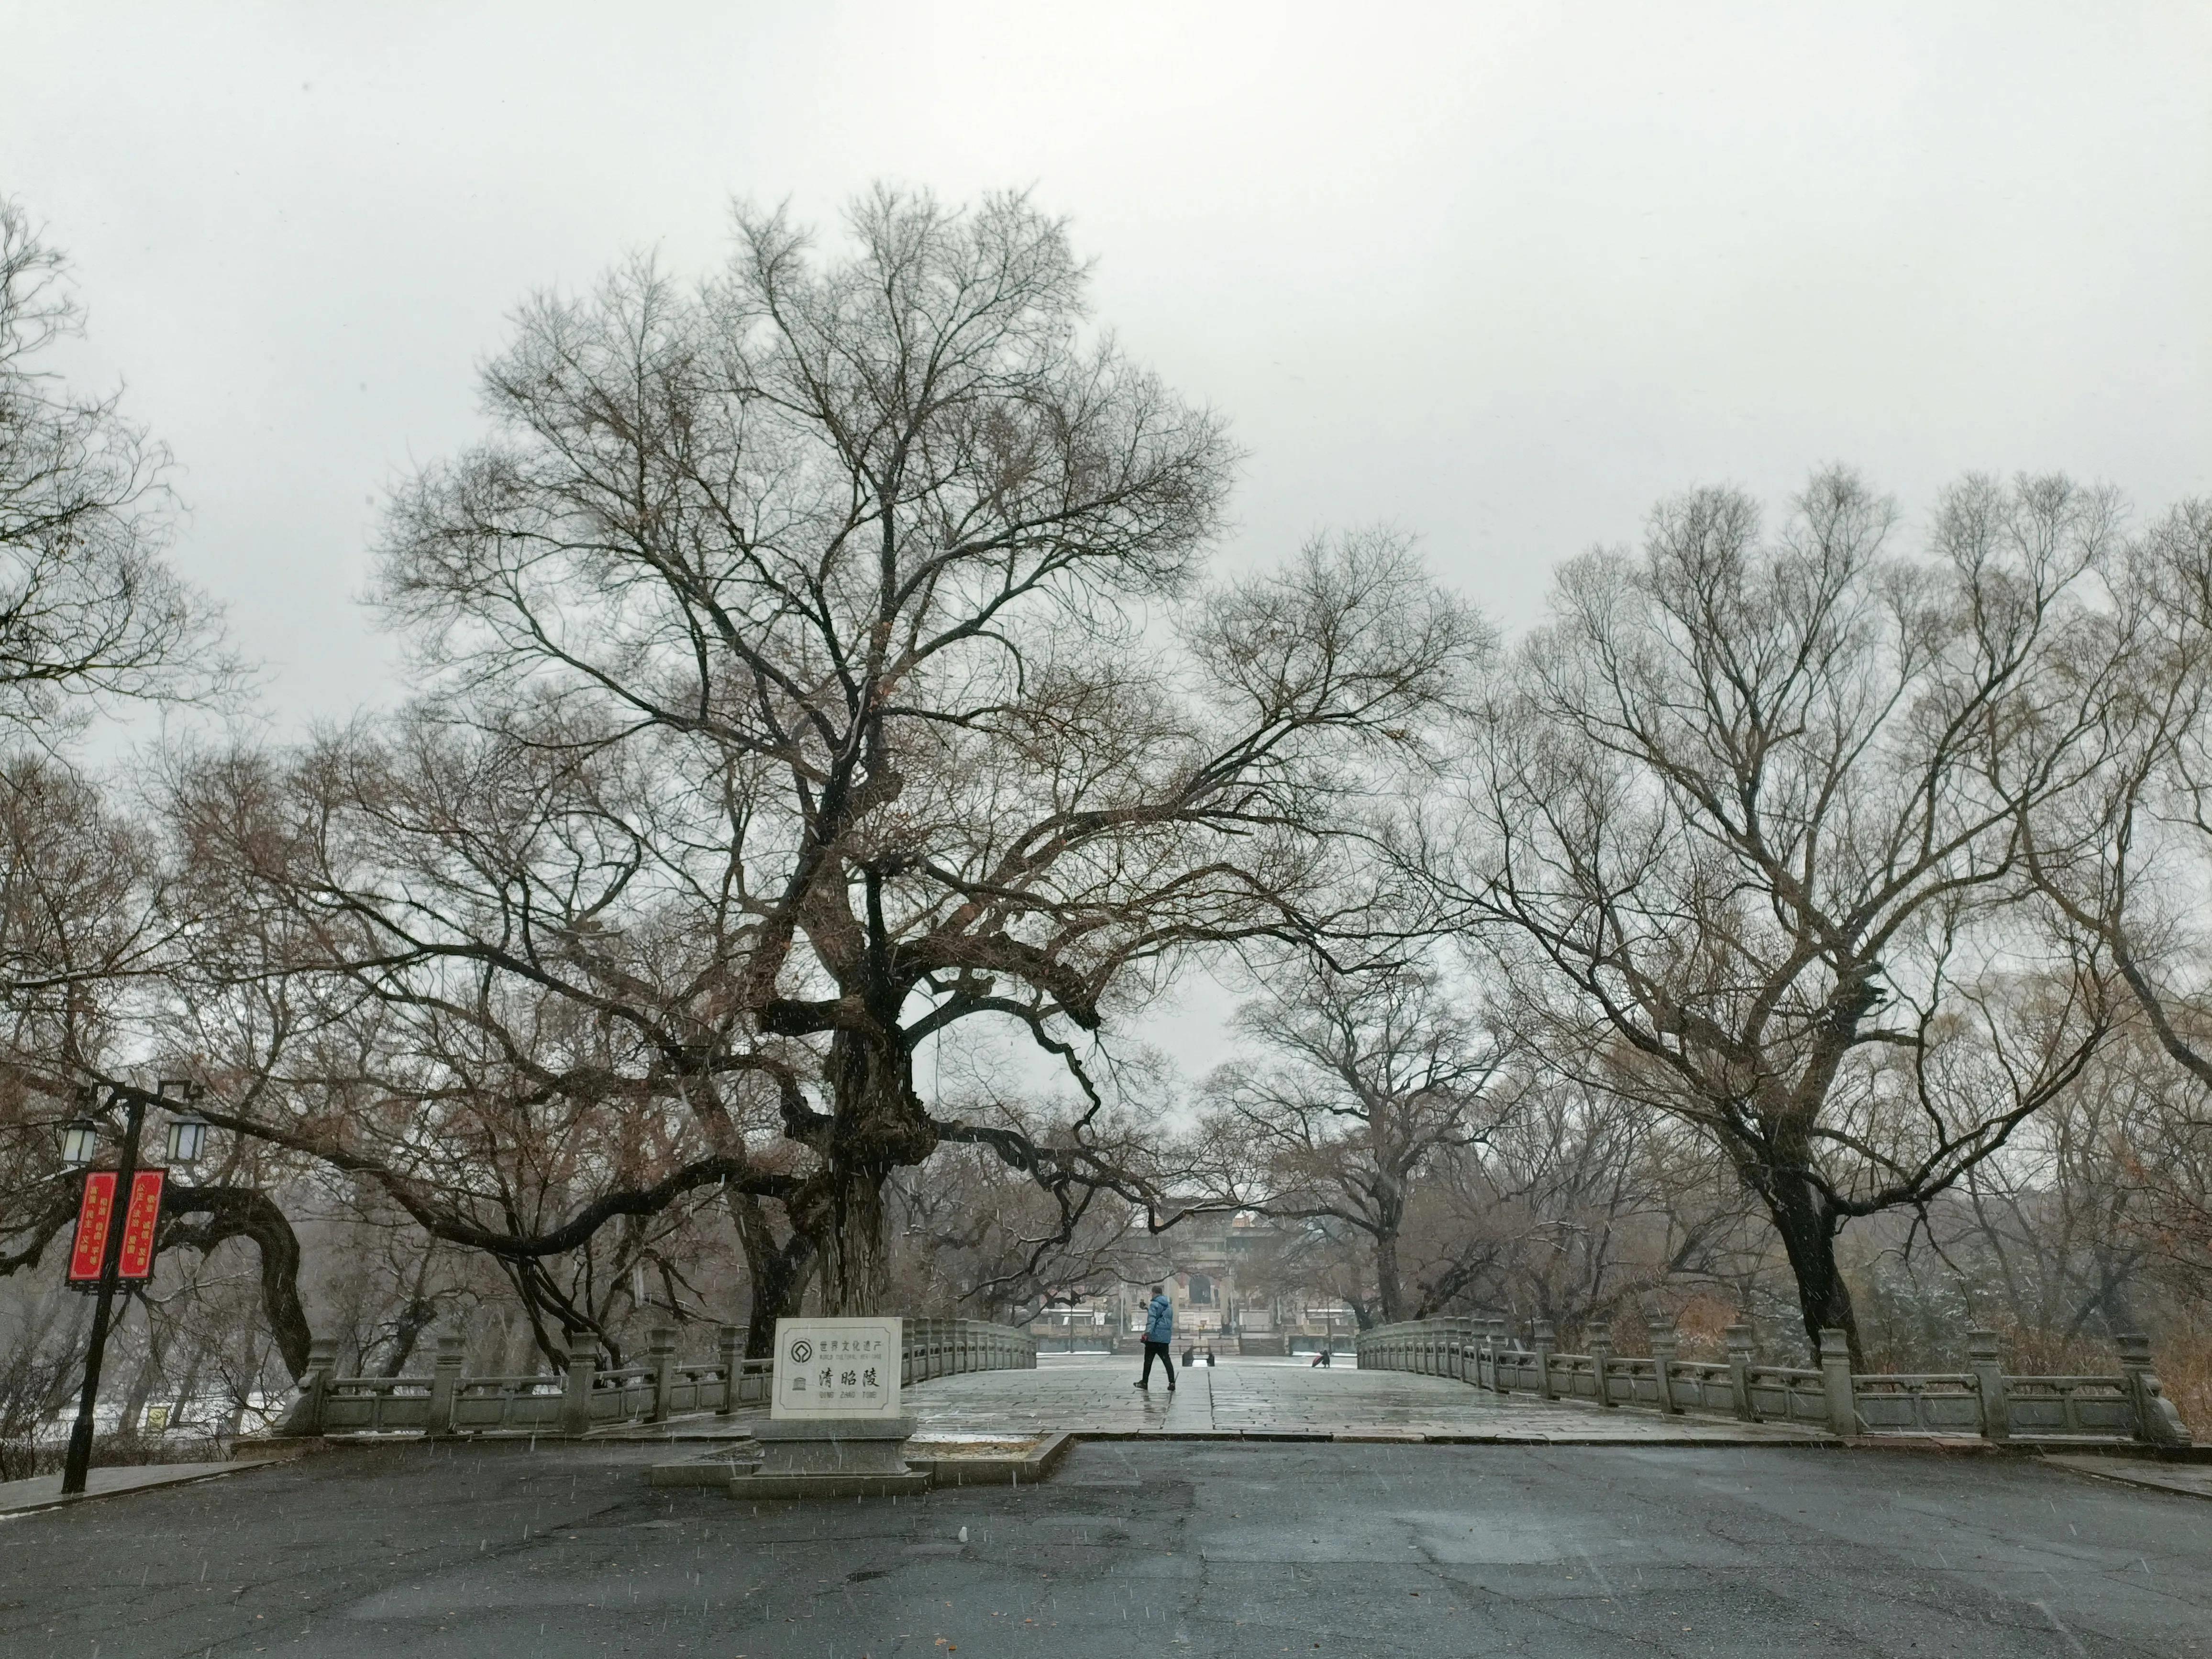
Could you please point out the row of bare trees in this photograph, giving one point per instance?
(1853, 858)
(819, 668)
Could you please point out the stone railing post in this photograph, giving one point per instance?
(2156, 1420)
(660, 1354)
(1545, 1340)
(1989, 1382)
(306, 1416)
(1739, 1365)
(444, 1384)
(1836, 1380)
(1600, 1344)
(576, 1392)
(1664, 1342)
(729, 1356)
(1501, 1341)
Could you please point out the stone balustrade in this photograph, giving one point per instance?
(952, 1347)
(1982, 1401)
(584, 1397)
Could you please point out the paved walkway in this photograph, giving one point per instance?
(1259, 1400)
(43, 1491)
(1247, 1551)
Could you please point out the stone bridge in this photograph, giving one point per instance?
(1286, 1399)
(1444, 1380)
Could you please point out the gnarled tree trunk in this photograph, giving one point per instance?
(879, 1125)
(1809, 1225)
(778, 1273)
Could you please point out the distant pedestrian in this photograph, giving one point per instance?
(1159, 1331)
(1321, 1360)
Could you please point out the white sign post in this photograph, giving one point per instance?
(846, 1368)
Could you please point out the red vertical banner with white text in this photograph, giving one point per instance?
(138, 1225)
(94, 1217)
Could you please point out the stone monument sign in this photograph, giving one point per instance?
(836, 1368)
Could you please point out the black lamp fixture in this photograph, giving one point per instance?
(187, 1129)
(187, 1135)
(80, 1140)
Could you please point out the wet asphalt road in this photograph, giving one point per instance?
(1253, 1549)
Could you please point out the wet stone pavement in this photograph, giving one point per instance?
(1282, 1400)
(1380, 1551)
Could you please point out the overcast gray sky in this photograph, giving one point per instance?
(1499, 274)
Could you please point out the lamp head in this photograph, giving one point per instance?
(188, 1135)
(80, 1140)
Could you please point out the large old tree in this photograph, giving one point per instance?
(813, 662)
(1745, 829)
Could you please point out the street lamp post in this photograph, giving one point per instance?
(78, 1143)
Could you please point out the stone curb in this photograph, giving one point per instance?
(1031, 1466)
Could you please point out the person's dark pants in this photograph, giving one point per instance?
(1157, 1351)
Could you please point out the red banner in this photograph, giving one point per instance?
(93, 1218)
(138, 1224)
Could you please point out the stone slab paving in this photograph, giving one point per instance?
(2189, 1479)
(1249, 1399)
(43, 1491)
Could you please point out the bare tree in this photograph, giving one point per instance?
(88, 606)
(89, 938)
(2125, 857)
(1360, 1081)
(91, 614)
(1582, 1201)
(1753, 808)
(801, 696)
(82, 935)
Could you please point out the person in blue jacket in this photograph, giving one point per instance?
(1159, 1331)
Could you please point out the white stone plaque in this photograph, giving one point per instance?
(837, 1368)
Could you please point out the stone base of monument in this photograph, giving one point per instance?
(832, 1457)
